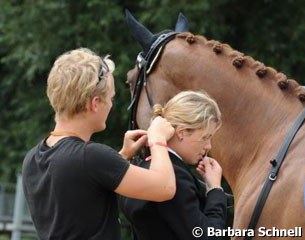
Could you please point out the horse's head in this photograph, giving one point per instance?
(144, 94)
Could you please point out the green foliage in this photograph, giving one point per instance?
(269, 31)
(4, 237)
(34, 33)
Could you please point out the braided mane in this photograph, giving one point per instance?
(239, 60)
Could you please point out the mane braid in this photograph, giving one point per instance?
(239, 60)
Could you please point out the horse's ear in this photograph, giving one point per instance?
(182, 24)
(140, 33)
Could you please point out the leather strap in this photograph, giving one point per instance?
(276, 164)
(145, 65)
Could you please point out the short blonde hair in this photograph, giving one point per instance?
(75, 78)
(190, 109)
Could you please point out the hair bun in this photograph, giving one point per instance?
(158, 110)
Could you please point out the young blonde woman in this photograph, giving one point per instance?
(196, 118)
(70, 182)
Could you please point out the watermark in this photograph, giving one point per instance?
(197, 232)
(261, 232)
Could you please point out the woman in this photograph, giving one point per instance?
(196, 118)
(70, 182)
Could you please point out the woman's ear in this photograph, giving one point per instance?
(180, 132)
(94, 103)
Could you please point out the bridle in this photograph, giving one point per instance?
(145, 65)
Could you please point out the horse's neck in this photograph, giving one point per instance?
(244, 145)
(257, 114)
(256, 118)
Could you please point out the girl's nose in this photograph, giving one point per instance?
(208, 145)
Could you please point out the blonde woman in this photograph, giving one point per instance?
(196, 118)
(70, 182)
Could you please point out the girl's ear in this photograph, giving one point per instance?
(180, 132)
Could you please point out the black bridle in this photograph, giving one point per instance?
(145, 65)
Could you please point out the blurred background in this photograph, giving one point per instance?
(34, 32)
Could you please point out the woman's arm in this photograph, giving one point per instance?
(158, 182)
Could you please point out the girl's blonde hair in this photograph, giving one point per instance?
(75, 78)
(190, 109)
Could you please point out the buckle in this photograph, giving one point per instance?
(272, 178)
(140, 60)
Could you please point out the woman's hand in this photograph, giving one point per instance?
(133, 141)
(160, 130)
(211, 172)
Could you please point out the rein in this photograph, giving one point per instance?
(276, 164)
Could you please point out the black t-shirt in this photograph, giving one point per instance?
(69, 189)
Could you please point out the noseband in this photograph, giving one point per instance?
(145, 65)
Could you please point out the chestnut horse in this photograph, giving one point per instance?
(258, 104)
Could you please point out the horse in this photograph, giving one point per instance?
(258, 104)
